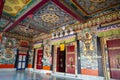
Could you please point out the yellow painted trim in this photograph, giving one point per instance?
(37, 45)
(113, 48)
(14, 12)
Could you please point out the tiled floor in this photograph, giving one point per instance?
(12, 74)
(26, 75)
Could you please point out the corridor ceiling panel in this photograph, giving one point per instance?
(24, 31)
(51, 16)
(16, 7)
(34, 17)
(92, 6)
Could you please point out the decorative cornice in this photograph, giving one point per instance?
(94, 22)
(16, 36)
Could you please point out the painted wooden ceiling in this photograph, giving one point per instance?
(33, 17)
(15, 7)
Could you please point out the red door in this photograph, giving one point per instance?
(60, 60)
(70, 59)
(39, 59)
(114, 58)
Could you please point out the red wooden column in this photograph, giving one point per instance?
(1, 6)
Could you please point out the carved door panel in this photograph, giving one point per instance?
(39, 59)
(70, 57)
(114, 58)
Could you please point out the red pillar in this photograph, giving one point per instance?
(1, 6)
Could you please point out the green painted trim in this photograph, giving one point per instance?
(108, 33)
(63, 41)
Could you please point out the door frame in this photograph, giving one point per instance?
(55, 58)
(105, 59)
(75, 45)
(17, 59)
(22, 61)
(54, 69)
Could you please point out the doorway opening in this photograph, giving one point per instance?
(60, 60)
(21, 60)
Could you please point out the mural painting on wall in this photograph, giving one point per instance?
(47, 59)
(8, 50)
(88, 50)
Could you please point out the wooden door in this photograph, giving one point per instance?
(70, 59)
(21, 62)
(39, 59)
(114, 58)
(60, 60)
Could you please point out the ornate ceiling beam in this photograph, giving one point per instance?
(25, 15)
(67, 10)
